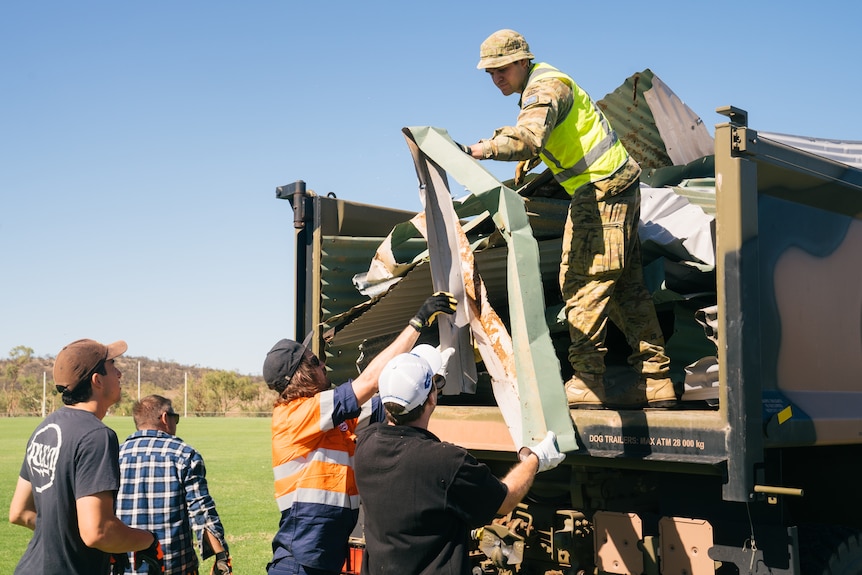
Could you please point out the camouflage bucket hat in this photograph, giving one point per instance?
(501, 48)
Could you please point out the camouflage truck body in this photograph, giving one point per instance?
(761, 479)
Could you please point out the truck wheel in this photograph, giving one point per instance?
(829, 550)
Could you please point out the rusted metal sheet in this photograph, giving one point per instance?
(631, 117)
(655, 126)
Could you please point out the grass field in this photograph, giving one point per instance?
(239, 471)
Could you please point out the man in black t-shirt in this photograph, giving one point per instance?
(71, 472)
(422, 496)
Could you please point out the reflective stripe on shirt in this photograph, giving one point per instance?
(322, 455)
(327, 408)
(320, 496)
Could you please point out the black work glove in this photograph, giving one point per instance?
(465, 149)
(440, 302)
(153, 556)
(119, 563)
(222, 564)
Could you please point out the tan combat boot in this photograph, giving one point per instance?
(659, 392)
(586, 390)
(647, 392)
(650, 392)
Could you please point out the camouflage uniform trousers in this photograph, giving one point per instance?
(601, 277)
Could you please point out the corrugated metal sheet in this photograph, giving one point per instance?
(342, 258)
(700, 192)
(630, 115)
(684, 133)
(389, 315)
(547, 216)
(846, 151)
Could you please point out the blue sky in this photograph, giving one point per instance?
(141, 142)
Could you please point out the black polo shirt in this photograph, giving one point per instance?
(420, 497)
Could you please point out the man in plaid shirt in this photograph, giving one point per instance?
(163, 488)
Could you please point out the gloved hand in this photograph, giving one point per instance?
(439, 378)
(440, 302)
(222, 564)
(548, 453)
(523, 167)
(445, 356)
(465, 149)
(153, 556)
(119, 563)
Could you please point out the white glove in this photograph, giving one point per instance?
(548, 452)
(445, 356)
(437, 360)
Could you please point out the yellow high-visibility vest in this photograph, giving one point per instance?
(583, 147)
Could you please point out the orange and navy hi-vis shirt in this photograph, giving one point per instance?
(313, 440)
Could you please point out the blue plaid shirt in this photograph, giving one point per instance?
(163, 489)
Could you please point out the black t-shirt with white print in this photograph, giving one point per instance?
(70, 455)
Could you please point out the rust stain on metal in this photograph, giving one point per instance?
(491, 323)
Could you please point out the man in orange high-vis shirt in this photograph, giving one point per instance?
(313, 440)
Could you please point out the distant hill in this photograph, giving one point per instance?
(167, 375)
(209, 392)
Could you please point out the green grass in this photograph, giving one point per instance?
(238, 456)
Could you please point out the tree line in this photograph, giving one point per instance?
(26, 382)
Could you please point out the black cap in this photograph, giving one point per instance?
(282, 362)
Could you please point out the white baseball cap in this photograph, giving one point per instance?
(430, 354)
(408, 378)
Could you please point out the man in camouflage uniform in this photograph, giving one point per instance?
(601, 275)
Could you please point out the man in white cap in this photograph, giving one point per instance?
(71, 473)
(422, 496)
(601, 276)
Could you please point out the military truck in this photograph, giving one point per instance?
(756, 470)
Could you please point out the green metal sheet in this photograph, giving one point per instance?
(542, 398)
(630, 115)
